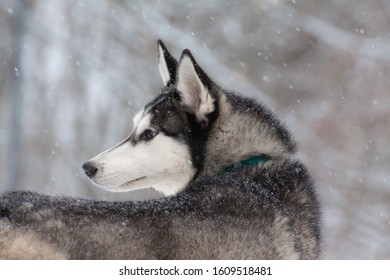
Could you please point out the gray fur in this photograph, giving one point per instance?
(265, 213)
(261, 134)
(268, 211)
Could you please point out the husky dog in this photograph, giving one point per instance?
(226, 165)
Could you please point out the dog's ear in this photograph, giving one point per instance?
(167, 64)
(193, 86)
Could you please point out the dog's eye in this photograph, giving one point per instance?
(148, 135)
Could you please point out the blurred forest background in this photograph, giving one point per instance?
(74, 73)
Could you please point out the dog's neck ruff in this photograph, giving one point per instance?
(252, 161)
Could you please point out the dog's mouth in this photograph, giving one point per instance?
(135, 180)
(129, 183)
(128, 186)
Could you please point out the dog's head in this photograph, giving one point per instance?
(167, 146)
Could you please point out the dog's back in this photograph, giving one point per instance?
(234, 215)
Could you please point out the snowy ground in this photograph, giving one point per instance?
(73, 73)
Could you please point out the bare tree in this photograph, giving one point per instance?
(20, 19)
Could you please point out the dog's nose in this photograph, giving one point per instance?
(89, 169)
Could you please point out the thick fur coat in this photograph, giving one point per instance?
(184, 144)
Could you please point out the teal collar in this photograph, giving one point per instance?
(252, 161)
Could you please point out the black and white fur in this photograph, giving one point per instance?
(193, 128)
(181, 144)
